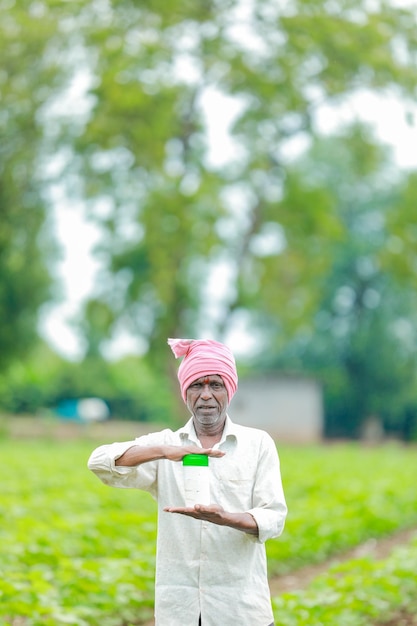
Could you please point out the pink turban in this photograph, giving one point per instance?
(203, 358)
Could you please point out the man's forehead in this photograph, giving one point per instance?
(208, 379)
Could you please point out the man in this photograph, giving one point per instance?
(211, 562)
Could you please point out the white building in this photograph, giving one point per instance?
(289, 408)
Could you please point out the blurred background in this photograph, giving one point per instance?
(238, 170)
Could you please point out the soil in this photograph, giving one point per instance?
(400, 619)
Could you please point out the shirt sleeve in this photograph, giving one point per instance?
(102, 463)
(270, 509)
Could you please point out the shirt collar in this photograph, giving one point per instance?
(230, 431)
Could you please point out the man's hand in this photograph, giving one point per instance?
(136, 455)
(215, 514)
(176, 453)
(205, 512)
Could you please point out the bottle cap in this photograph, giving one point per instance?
(195, 459)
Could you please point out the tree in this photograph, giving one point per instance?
(28, 78)
(44, 380)
(186, 238)
(361, 341)
(173, 217)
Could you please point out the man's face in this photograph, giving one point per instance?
(207, 400)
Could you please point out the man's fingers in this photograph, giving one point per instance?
(179, 509)
(211, 452)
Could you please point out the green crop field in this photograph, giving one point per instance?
(359, 592)
(73, 551)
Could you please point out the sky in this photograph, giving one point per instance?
(77, 269)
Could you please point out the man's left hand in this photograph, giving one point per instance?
(216, 514)
(205, 512)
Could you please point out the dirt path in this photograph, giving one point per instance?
(401, 618)
(376, 548)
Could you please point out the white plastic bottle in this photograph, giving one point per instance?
(196, 479)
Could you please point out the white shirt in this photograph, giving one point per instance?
(203, 568)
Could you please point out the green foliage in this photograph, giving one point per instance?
(360, 341)
(192, 246)
(66, 556)
(339, 496)
(128, 386)
(177, 217)
(28, 77)
(356, 593)
(74, 551)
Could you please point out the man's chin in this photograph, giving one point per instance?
(213, 414)
(205, 415)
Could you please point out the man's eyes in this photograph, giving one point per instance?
(214, 385)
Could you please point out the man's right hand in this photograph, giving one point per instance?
(136, 455)
(176, 453)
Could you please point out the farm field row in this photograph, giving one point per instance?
(357, 592)
(73, 551)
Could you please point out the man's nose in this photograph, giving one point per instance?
(206, 391)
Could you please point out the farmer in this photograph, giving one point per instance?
(211, 562)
